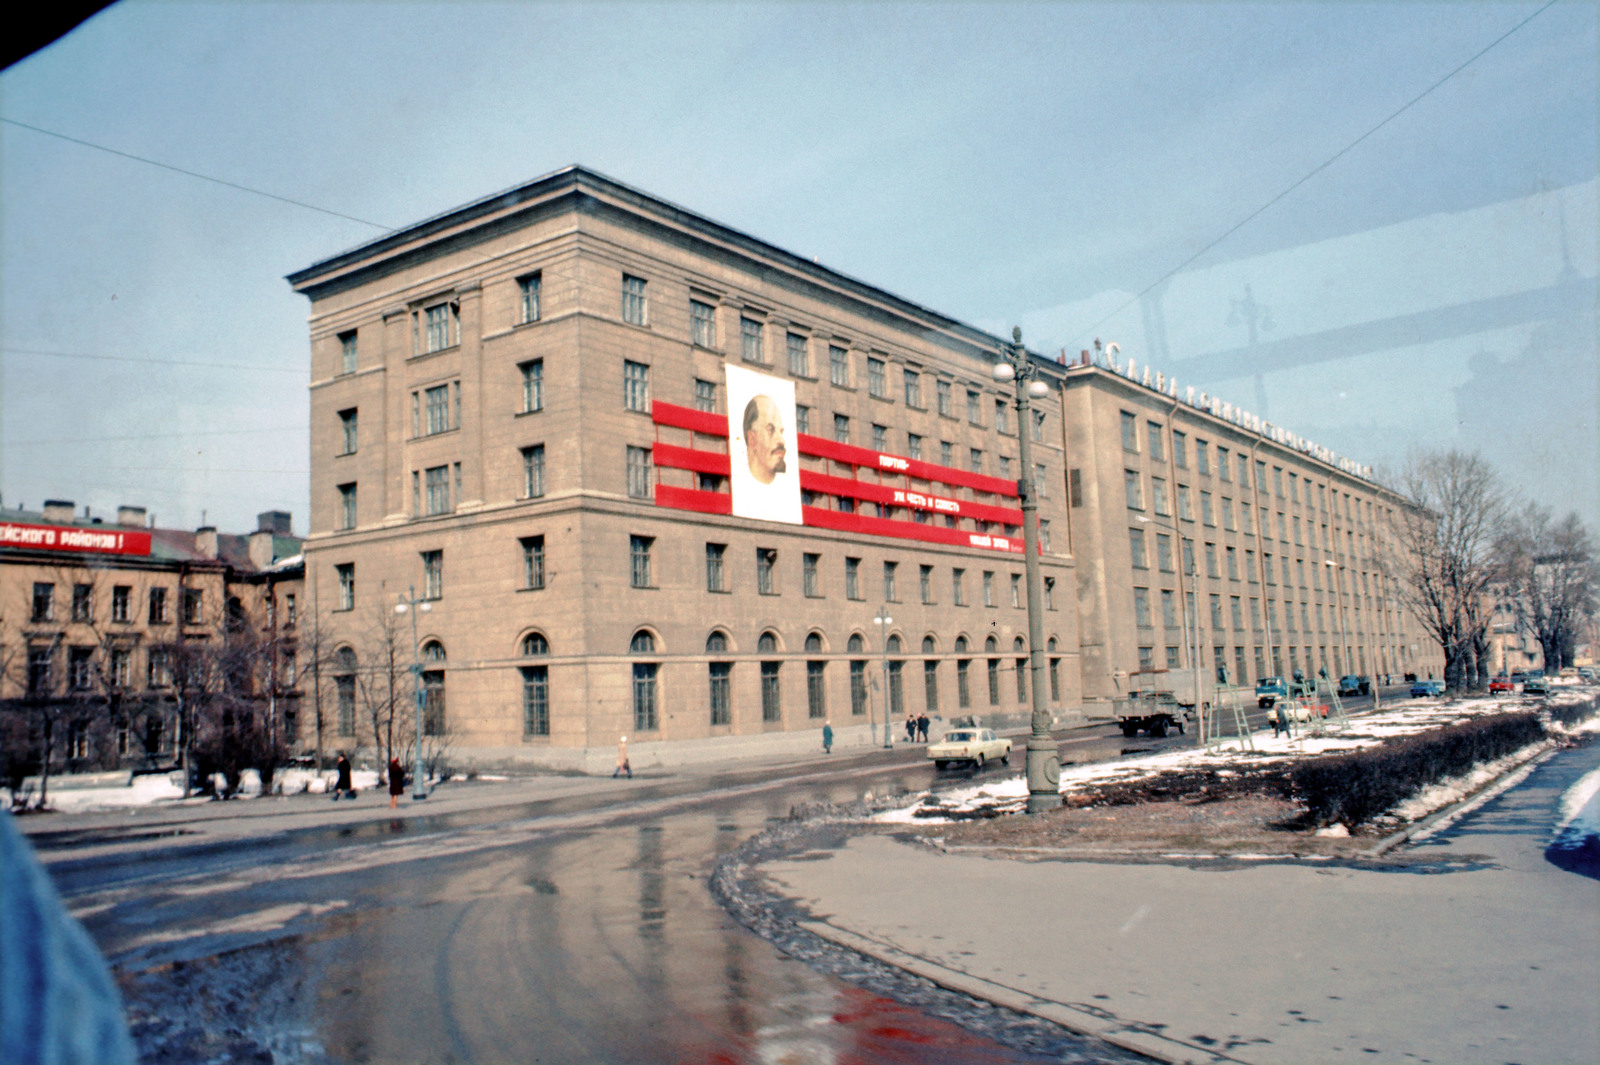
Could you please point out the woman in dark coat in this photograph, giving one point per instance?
(397, 782)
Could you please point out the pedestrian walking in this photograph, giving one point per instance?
(827, 737)
(623, 768)
(341, 784)
(397, 782)
(922, 727)
(911, 728)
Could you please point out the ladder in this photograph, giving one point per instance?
(1227, 712)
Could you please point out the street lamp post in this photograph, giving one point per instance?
(1044, 764)
(1338, 606)
(1191, 616)
(411, 604)
(883, 621)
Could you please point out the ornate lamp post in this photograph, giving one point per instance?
(883, 621)
(1044, 764)
(1189, 616)
(411, 604)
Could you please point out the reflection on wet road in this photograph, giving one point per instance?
(570, 937)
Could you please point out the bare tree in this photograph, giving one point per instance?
(385, 660)
(1441, 553)
(1548, 571)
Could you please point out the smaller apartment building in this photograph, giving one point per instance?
(1192, 519)
(97, 620)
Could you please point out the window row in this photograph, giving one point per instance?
(157, 612)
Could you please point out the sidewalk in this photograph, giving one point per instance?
(1280, 963)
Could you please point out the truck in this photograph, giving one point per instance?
(1158, 700)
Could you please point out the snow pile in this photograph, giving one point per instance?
(1580, 812)
(1009, 795)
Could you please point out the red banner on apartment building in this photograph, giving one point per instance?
(101, 541)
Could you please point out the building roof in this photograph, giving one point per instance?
(171, 546)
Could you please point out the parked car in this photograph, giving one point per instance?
(1269, 690)
(973, 746)
(1586, 673)
(1535, 686)
(1300, 710)
(1501, 684)
(1518, 676)
(1350, 684)
(1424, 688)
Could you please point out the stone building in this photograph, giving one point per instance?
(100, 620)
(536, 416)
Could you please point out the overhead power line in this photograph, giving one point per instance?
(195, 174)
(1314, 171)
(157, 362)
(189, 434)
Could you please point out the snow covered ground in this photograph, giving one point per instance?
(70, 794)
(1010, 794)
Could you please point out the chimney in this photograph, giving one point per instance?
(1083, 357)
(61, 510)
(260, 548)
(275, 521)
(130, 517)
(205, 541)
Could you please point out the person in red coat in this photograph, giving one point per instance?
(397, 782)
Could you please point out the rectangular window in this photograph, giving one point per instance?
(1133, 489)
(913, 382)
(436, 480)
(1044, 534)
(1038, 426)
(715, 579)
(947, 453)
(158, 605)
(751, 341)
(1021, 671)
(1180, 450)
(1002, 417)
(930, 686)
(532, 562)
(1188, 556)
(44, 601)
(635, 386)
(528, 287)
(1236, 608)
(159, 673)
(1233, 562)
(974, 407)
(432, 574)
(766, 565)
(1130, 432)
(975, 460)
(536, 700)
(1250, 565)
(1224, 467)
(1211, 562)
(816, 690)
(639, 561)
(963, 683)
(347, 506)
(82, 603)
(841, 429)
(1049, 593)
(925, 583)
(852, 578)
(720, 675)
(1185, 511)
(1206, 514)
(638, 472)
(348, 437)
(889, 595)
(634, 305)
(802, 418)
(193, 599)
(877, 381)
(1202, 458)
(1255, 613)
(1227, 514)
(958, 591)
(644, 697)
(1016, 590)
(1141, 607)
(1216, 611)
(913, 446)
(533, 471)
(880, 438)
(1169, 608)
(347, 585)
(1136, 548)
(439, 327)
(532, 385)
(799, 354)
(1158, 492)
(994, 681)
(1005, 465)
(858, 688)
(810, 583)
(1164, 552)
(705, 396)
(839, 366)
(988, 587)
(702, 324)
(771, 692)
(347, 352)
(1261, 474)
(942, 395)
(121, 599)
(435, 408)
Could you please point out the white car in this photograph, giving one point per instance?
(971, 745)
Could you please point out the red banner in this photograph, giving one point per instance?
(108, 540)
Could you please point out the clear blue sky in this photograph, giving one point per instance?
(1040, 163)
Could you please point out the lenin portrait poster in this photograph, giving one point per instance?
(762, 456)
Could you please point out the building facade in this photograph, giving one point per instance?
(521, 418)
(101, 623)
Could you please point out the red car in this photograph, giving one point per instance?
(1501, 684)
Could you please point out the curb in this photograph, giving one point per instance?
(1445, 816)
(1079, 1018)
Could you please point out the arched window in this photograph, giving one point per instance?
(717, 643)
(767, 644)
(929, 647)
(344, 660)
(433, 660)
(1050, 645)
(1018, 644)
(858, 675)
(645, 717)
(991, 644)
(535, 687)
(894, 646)
(856, 644)
(961, 645)
(771, 684)
(720, 676)
(814, 643)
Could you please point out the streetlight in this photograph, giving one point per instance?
(412, 605)
(883, 621)
(1338, 606)
(1044, 764)
(1191, 616)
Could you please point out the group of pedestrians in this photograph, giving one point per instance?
(917, 728)
(344, 786)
